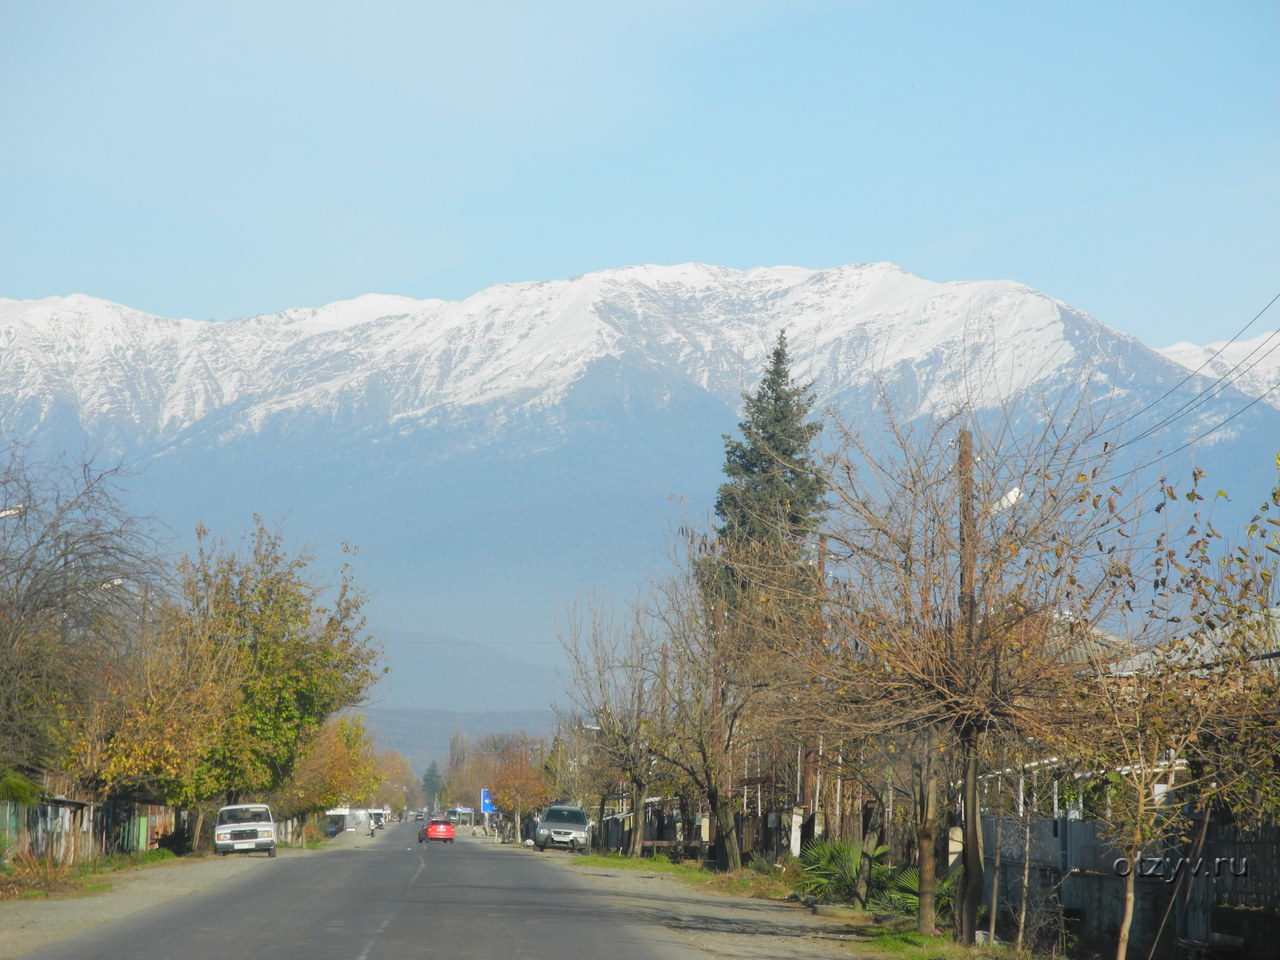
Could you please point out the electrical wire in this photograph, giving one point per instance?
(1206, 394)
(1177, 386)
(1209, 392)
(1193, 442)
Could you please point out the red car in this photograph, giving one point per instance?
(438, 828)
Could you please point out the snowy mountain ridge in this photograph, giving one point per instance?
(388, 362)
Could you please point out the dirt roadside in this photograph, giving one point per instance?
(724, 926)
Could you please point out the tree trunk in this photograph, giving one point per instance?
(995, 884)
(971, 890)
(638, 790)
(870, 841)
(1126, 915)
(195, 831)
(995, 856)
(597, 835)
(726, 830)
(1026, 881)
(926, 836)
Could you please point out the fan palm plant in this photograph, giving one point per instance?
(830, 869)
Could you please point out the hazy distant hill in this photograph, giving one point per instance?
(496, 457)
(422, 735)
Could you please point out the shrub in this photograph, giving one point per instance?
(763, 865)
(829, 869)
(901, 894)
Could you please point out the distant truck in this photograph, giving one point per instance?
(244, 828)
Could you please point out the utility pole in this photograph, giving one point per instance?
(972, 877)
(810, 793)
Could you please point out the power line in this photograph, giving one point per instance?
(470, 643)
(1206, 394)
(1239, 333)
(1193, 442)
(1211, 391)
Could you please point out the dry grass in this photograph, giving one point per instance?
(743, 883)
(26, 876)
(29, 868)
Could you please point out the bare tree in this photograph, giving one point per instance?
(964, 572)
(614, 689)
(712, 673)
(75, 569)
(1190, 714)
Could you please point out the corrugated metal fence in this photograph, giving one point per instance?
(1254, 856)
(69, 831)
(1244, 864)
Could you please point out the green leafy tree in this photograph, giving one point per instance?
(338, 768)
(302, 661)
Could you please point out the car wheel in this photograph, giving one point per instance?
(271, 852)
(541, 848)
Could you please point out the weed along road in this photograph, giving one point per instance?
(389, 898)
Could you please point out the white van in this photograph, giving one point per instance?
(244, 828)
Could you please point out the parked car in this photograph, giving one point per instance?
(567, 827)
(244, 828)
(437, 828)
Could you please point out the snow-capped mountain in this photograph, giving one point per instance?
(1252, 366)
(495, 455)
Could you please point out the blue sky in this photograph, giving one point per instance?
(221, 159)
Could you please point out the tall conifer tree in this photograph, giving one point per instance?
(773, 498)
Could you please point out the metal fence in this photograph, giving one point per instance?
(69, 832)
(1253, 879)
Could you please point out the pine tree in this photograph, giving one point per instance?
(432, 781)
(773, 499)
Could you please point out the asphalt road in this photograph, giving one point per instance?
(392, 899)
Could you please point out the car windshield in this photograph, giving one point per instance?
(565, 815)
(242, 815)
